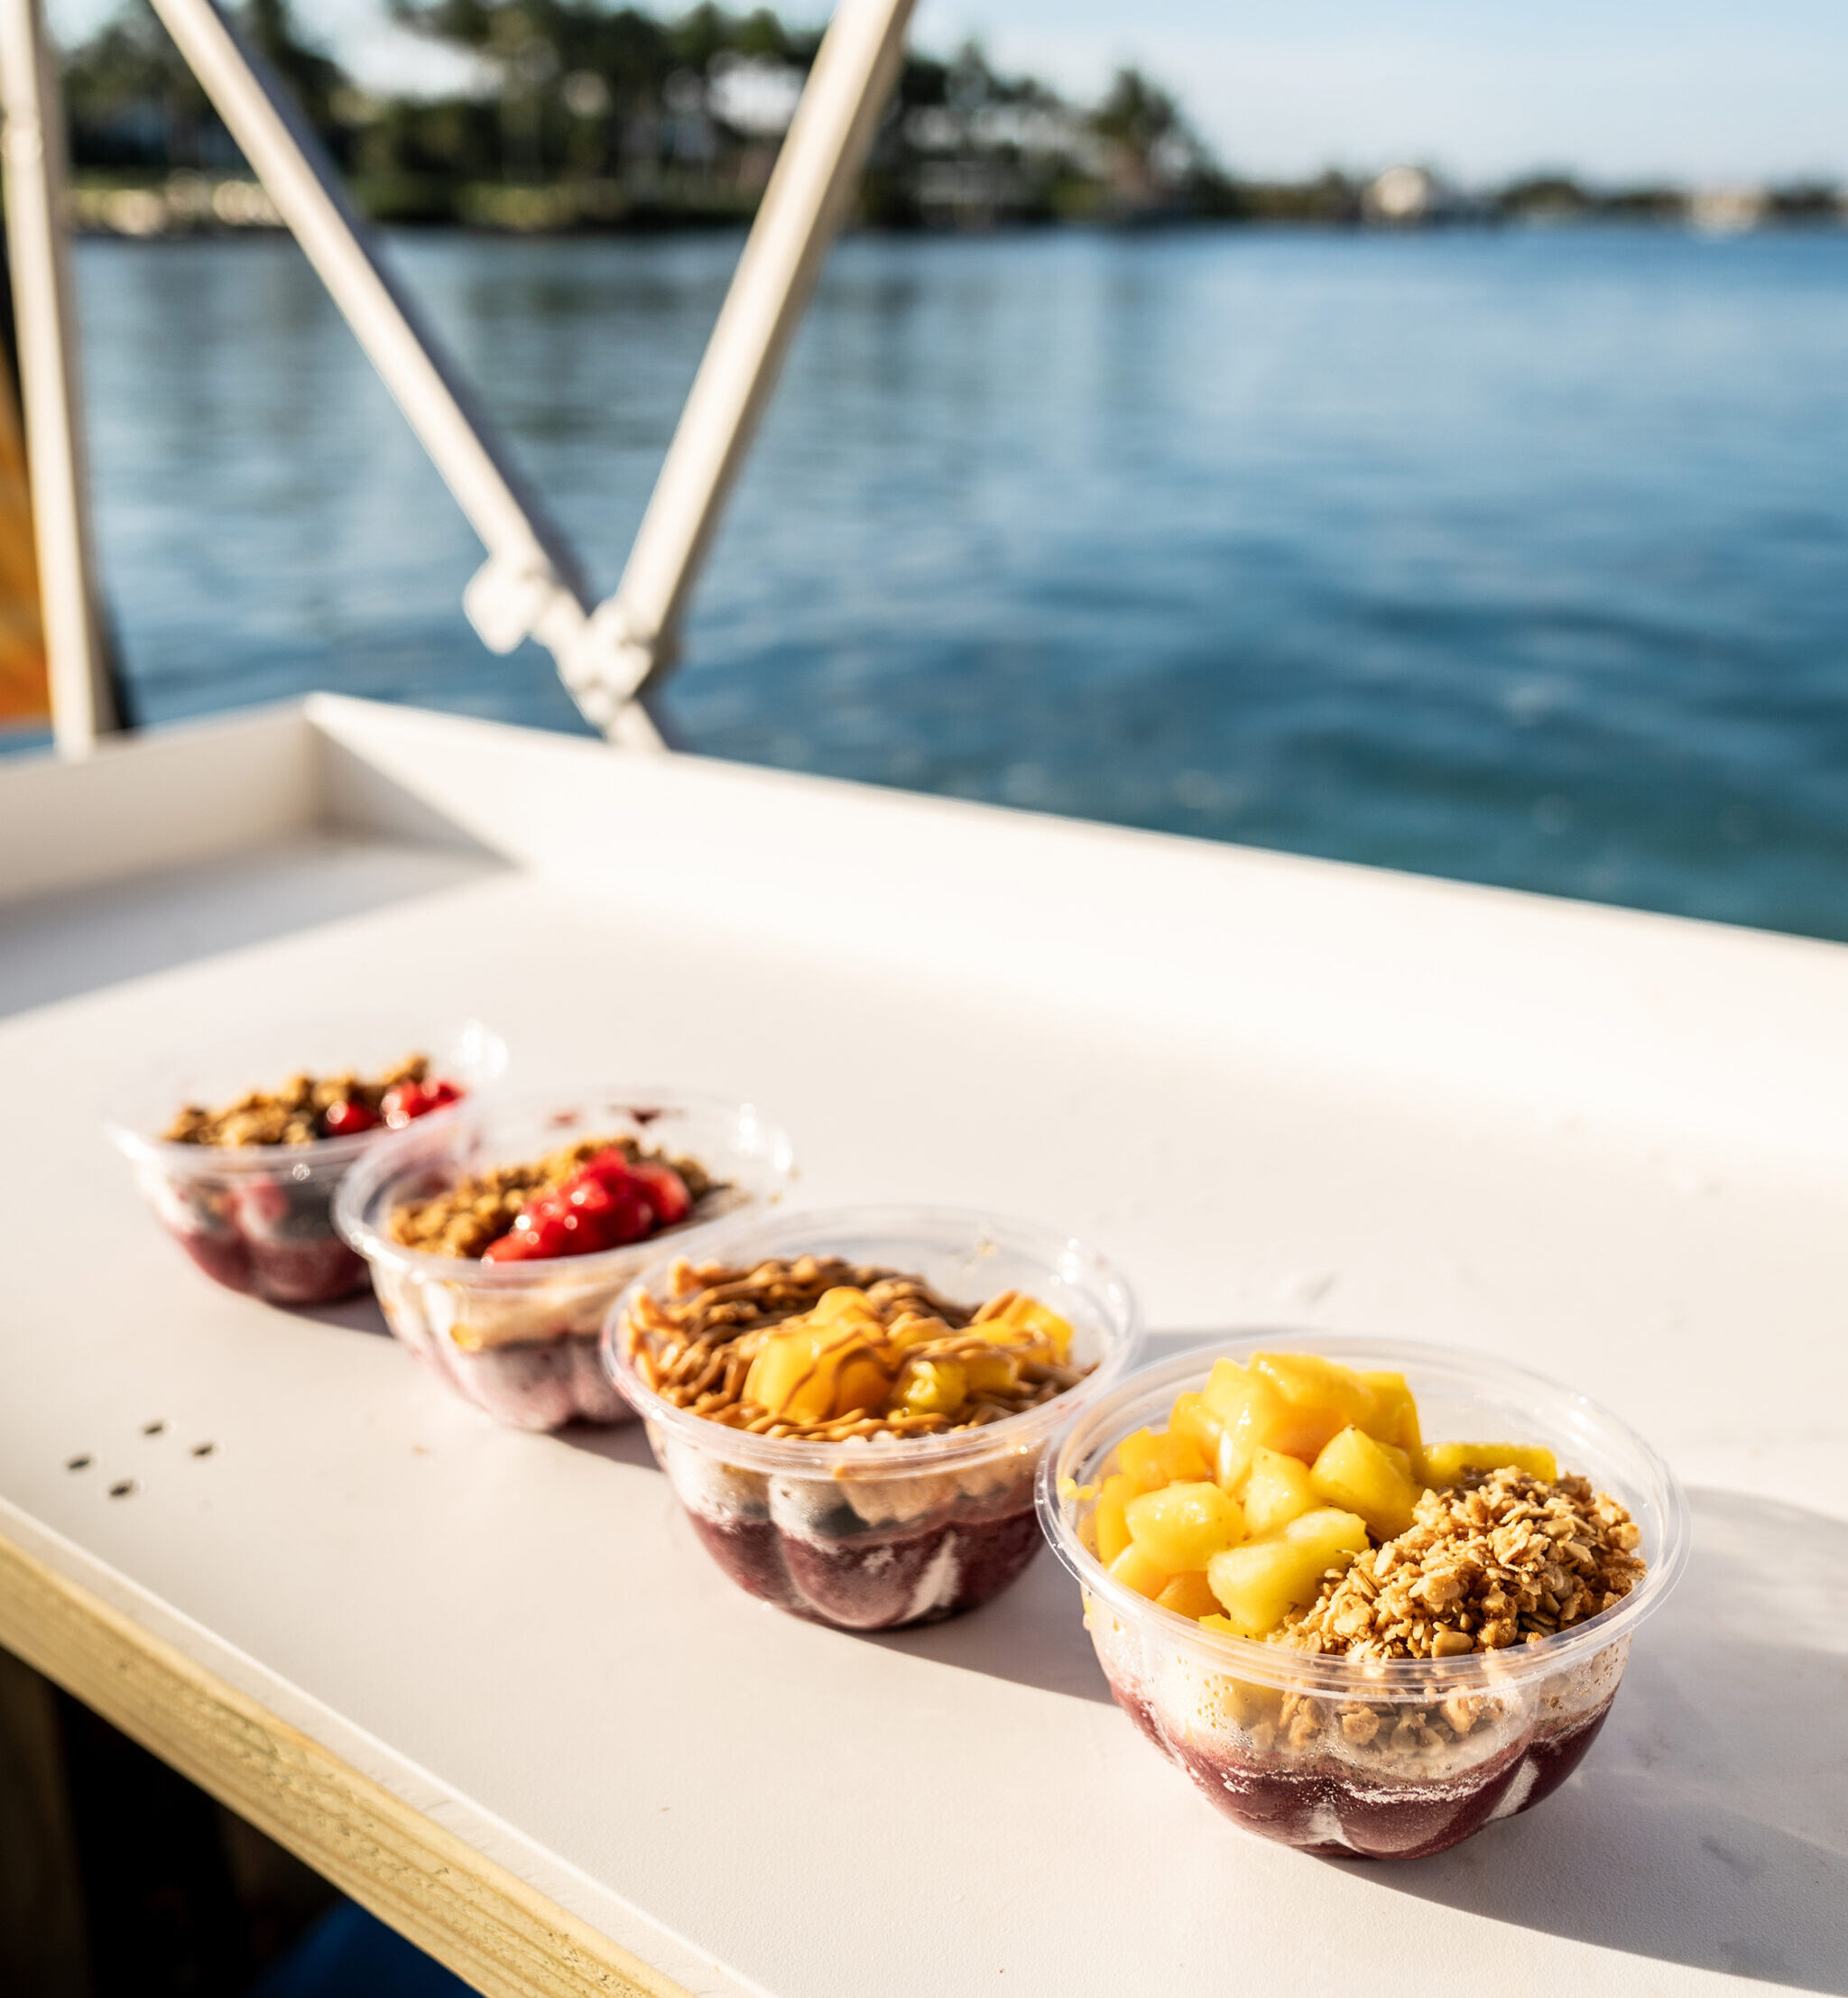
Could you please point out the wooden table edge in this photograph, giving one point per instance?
(503, 1936)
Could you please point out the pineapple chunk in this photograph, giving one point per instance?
(1135, 1570)
(1154, 1458)
(1112, 1528)
(1259, 1584)
(1395, 1414)
(1231, 1462)
(1191, 1418)
(1236, 1702)
(1256, 1413)
(1403, 1458)
(931, 1387)
(1224, 1392)
(1357, 1473)
(1274, 1421)
(1276, 1490)
(1182, 1526)
(1448, 1462)
(1306, 1380)
(1022, 1315)
(1189, 1596)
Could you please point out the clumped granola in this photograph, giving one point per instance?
(1501, 1559)
(466, 1219)
(697, 1349)
(297, 1112)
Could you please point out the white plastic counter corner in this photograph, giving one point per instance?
(1274, 1090)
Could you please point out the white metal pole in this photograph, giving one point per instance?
(631, 637)
(529, 585)
(51, 380)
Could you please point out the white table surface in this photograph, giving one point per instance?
(1276, 1092)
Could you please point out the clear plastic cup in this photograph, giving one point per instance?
(1389, 1759)
(520, 1340)
(875, 1535)
(259, 1218)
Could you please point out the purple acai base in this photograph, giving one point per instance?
(1319, 1806)
(876, 1580)
(539, 1386)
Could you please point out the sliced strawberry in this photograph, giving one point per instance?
(609, 1167)
(348, 1117)
(602, 1217)
(665, 1189)
(404, 1102)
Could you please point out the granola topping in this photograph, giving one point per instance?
(482, 1209)
(1503, 1559)
(827, 1351)
(307, 1108)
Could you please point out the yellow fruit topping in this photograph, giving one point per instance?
(1395, 1416)
(1268, 1481)
(1259, 1584)
(1370, 1478)
(1183, 1526)
(1276, 1490)
(1152, 1459)
(1134, 1570)
(836, 1358)
(1014, 1318)
(1190, 1594)
(842, 1358)
(1451, 1463)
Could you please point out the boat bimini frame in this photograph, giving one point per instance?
(611, 654)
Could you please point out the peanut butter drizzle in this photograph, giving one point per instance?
(696, 1350)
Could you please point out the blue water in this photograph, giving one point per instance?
(1519, 556)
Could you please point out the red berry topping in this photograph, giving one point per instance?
(604, 1216)
(630, 1217)
(664, 1189)
(348, 1117)
(611, 1167)
(404, 1102)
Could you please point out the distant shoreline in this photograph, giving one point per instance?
(187, 205)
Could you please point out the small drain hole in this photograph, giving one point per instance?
(203, 1449)
(80, 1463)
(121, 1488)
(154, 1428)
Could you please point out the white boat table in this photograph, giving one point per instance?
(490, 1684)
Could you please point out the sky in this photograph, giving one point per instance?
(1699, 91)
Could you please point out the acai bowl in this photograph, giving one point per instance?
(240, 1148)
(497, 1242)
(912, 1365)
(1519, 1580)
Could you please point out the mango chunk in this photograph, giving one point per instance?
(1395, 1412)
(1156, 1457)
(1189, 1596)
(1182, 1526)
(1135, 1570)
(1191, 1418)
(1449, 1463)
(1017, 1318)
(1107, 1518)
(930, 1387)
(1308, 1381)
(1232, 1462)
(1276, 1491)
(827, 1362)
(1259, 1584)
(1224, 1392)
(1372, 1479)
